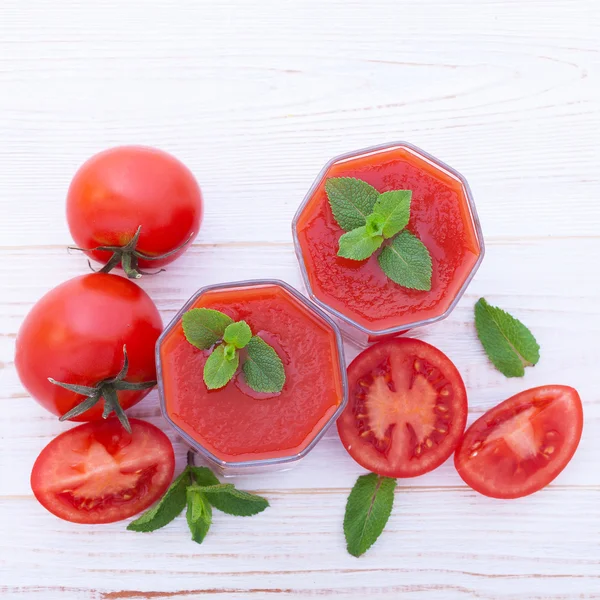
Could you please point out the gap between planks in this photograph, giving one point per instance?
(415, 489)
(490, 241)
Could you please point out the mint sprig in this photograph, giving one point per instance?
(206, 328)
(508, 343)
(367, 511)
(370, 220)
(199, 490)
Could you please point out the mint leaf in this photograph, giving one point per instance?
(203, 476)
(358, 244)
(235, 502)
(238, 334)
(407, 262)
(395, 208)
(351, 201)
(219, 368)
(199, 514)
(204, 492)
(167, 508)
(217, 488)
(508, 343)
(263, 368)
(229, 351)
(204, 327)
(367, 511)
(375, 223)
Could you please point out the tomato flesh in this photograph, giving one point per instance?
(521, 445)
(407, 408)
(99, 473)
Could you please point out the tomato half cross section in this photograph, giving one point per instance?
(99, 473)
(521, 445)
(407, 408)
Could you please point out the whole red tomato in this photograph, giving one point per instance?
(76, 334)
(134, 206)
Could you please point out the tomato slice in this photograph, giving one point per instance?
(521, 445)
(407, 408)
(99, 473)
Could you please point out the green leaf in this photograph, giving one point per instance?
(219, 369)
(508, 343)
(263, 368)
(238, 334)
(358, 244)
(199, 514)
(204, 327)
(235, 502)
(407, 262)
(374, 226)
(204, 477)
(167, 508)
(229, 351)
(367, 511)
(395, 208)
(351, 201)
(217, 488)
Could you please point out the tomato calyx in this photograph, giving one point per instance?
(128, 256)
(107, 389)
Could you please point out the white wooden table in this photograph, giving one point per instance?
(255, 97)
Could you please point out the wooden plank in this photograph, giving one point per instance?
(513, 107)
(509, 276)
(255, 98)
(437, 540)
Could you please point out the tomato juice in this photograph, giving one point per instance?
(442, 216)
(234, 425)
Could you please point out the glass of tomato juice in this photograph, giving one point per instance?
(235, 428)
(367, 304)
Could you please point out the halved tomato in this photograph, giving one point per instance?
(407, 408)
(99, 473)
(521, 445)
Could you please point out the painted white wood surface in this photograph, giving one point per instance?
(255, 97)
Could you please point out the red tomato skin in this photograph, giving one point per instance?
(45, 472)
(345, 424)
(119, 189)
(75, 334)
(481, 424)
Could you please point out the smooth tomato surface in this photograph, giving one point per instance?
(118, 190)
(76, 333)
(521, 445)
(99, 473)
(407, 408)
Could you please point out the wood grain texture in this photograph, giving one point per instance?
(255, 97)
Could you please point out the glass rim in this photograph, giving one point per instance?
(205, 453)
(472, 211)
